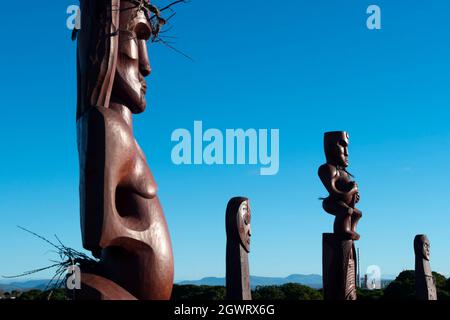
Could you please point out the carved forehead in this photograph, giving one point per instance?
(336, 136)
(420, 241)
(233, 208)
(244, 204)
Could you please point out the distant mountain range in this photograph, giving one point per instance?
(310, 280)
(24, 285)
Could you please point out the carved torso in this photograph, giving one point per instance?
(425, 283)
(344, 183)
(129, 214)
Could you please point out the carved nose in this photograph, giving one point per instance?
(145, 69)
(144, 61)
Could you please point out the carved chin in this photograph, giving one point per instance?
(129, 93)
(343, 163)
(135, 100)
(140, 105)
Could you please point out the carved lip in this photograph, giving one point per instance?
(144, 86)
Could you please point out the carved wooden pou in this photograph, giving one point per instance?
(425, 282)
(238, 218)
(122, 222)
(339, 256)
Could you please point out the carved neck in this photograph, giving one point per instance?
(124, 112)
(237, 273)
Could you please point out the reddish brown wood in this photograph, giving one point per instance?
(96, 287)
(122, 221)
(339, 256)
(425, 283)
(238, 219)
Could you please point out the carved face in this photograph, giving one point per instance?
(133, 64)
(244, 219)
(336, 148)
(426, 248)
(422, 247)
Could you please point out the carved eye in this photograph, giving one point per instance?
(129, 45)
(246, 219)
(343, 143)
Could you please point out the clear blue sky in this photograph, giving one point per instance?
(303, 67)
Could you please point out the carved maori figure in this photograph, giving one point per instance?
(122, 222)
(339, 256)
(425, 283)
(343, 191)
(238, 218)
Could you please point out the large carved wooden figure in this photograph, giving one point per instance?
(122, 221)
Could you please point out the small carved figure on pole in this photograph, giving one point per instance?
(238, 218)
(425, 282)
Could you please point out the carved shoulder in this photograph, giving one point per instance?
(327, 171)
